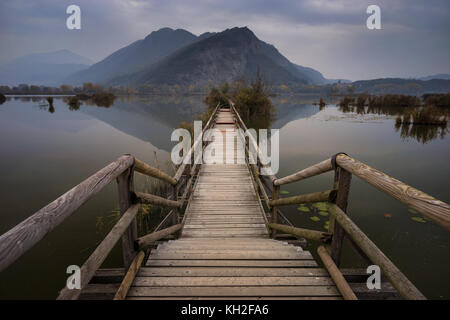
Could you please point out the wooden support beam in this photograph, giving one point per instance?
(336, 275)
(343, 180)
(122, 292)
(430, 207)
(312, 171)
(274, 208)
(144, 168)
(323, 196)
(166, 221)
(99, 255)
(145, 241)
(26, 234)
(392, 273)
(304, 233)
(159, 201)
(126, 192)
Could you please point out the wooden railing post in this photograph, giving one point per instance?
(342, 180)
(274, 209)
(176, 216)
(126, 192)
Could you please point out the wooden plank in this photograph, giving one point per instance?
(234, 291)
(232, 263)
(242, 255)
(26, 234)
(230, 281)
(238, 298)
(231, 272)
(224, 225)
(222, 233)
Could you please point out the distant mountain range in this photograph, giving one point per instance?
(178, 57)
(171, 57)
(49, 68)
(442, 76)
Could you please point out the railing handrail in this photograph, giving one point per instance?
(182, 167)
(15, 242)
(18, 240)
(432, 208)
(271, 175)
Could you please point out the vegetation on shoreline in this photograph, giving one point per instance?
(434, 110)
(422, 119)
(250, 100)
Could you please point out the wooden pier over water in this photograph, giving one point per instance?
(226, 237)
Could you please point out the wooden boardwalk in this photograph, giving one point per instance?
(216, 242)
(224, 250)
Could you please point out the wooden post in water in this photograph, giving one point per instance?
(274, 210)
(342, 180)
(126, 192)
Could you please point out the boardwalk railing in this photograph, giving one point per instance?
(341, 226)
(21, 238)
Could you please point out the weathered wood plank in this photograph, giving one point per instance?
(230, 281)
(231, 272)
(234, 291)
(243, 255)
(232, 263)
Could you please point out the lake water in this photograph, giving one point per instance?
(44, 154)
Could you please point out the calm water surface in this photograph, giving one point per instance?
(44, 154)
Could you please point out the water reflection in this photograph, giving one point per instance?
(420, 132)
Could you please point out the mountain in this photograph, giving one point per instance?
(222, 57)
(136, 56)
(48, 68)
(442, 76)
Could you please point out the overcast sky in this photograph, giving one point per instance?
(328, 35)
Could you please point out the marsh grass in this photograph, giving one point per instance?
(149, 216)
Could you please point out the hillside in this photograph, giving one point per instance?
(218, 58)
(48, 68)
(136, 56)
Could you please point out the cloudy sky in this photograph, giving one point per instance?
(328, 35)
